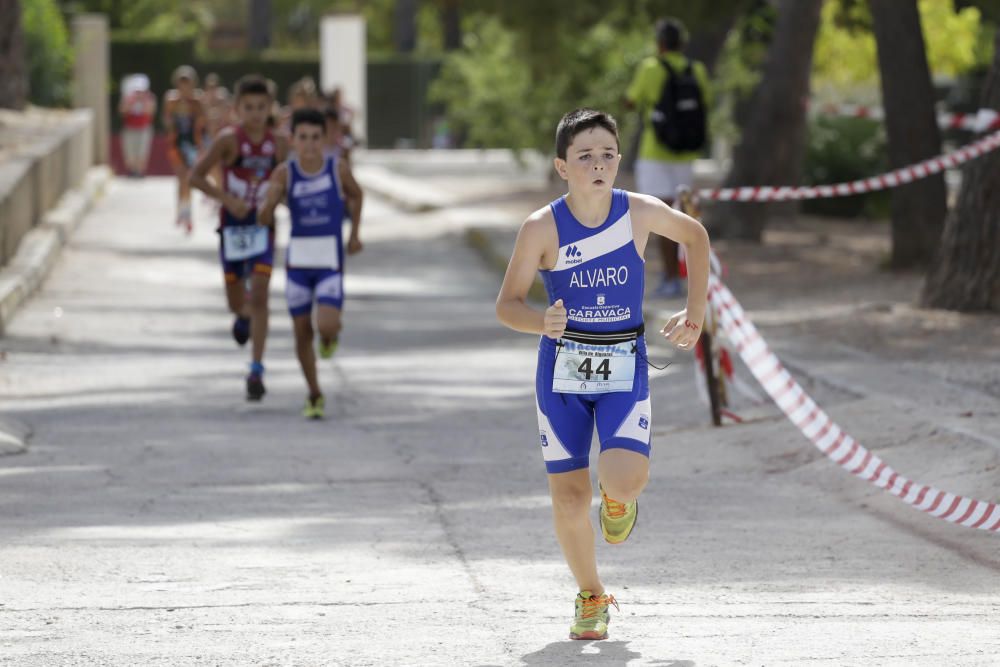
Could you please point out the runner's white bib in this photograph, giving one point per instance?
(314, 252)
(240, 242)
(581, 368)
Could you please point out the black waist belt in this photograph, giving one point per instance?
(604, 338)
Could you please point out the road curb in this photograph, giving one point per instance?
(39, 249)
(401, 191)
(14, 436)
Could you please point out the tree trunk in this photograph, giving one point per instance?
(965, 274)
(773, 144)
(405, 32)
(919, 208)
(705, 45)
(260, 24)
(13, 68)
(451, 25)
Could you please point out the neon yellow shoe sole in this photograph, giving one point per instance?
(313, 408)
(617, 519)
(591, 620)
(327, 350)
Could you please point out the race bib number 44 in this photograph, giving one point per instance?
(241, 242)
(594, 369)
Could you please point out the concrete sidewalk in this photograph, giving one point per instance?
(39, 249)
(158, 519)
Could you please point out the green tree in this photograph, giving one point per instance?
(516, 75)
(773, 143)
(478, 83)
(49, 53)
(154, 19)
(846, 57)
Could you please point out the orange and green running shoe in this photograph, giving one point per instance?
(326, 349)
(592, 616)
(617, 519)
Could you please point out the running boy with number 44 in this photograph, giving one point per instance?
(248, 153)
(588, 246)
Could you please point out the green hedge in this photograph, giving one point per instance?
(845, 149)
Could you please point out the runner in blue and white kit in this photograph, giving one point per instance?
(320, 191)
(588, 247)
(590, 373)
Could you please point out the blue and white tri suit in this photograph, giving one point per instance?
(315, 257)
(597, 371)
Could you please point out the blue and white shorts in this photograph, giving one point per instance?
(566, 420)
(305, 286)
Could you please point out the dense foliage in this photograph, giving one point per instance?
(49, 53)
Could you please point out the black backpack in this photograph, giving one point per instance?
(679, 117)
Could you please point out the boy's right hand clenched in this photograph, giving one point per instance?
(237, 207)
(555, 320)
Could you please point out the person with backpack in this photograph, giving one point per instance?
(672, 95)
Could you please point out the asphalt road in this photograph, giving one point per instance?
(159, 519)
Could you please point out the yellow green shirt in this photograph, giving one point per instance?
(645, 91)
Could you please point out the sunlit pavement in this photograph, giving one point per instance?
(159, 519)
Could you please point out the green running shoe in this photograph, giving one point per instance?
(314, 408)
(592, 616)
(617, 519)
(326, 350)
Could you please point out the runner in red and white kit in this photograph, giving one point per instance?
(248, 153)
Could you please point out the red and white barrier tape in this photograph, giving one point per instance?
(983, 120)
(816, 425)
(890, 180)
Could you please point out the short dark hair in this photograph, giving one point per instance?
(252, 84)
(331, 113)
(671, 34)
(580, 120)
(307, 116)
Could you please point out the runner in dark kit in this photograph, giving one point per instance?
(248, 153)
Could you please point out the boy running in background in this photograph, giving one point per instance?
(248, 152)
(320, 191)
(184, 119)
(588, 246)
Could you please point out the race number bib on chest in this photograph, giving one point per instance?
(241, 242)
(593, 369)
(314, 252)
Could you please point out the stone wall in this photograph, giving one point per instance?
(43, 154)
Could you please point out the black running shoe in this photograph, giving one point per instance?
(255, 387)
(241, 330)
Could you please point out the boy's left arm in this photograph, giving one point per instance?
(653, 216)
(354, 198)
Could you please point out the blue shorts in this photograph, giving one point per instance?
(261, 263)
(304, 286)
(566, 421)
